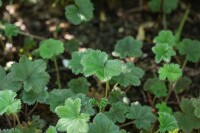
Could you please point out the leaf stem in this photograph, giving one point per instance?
(126, 124)
(17, 118)
(57, 73)
(107, 89)
(180, 28)
(164, 21)
(31, 35)
(35, 106)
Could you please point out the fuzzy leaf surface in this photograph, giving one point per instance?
(63, 94)
(31, 73)
(117, 112)
(187, 121)
(142, 116)
(71, 120)
(130, 75)
(165, 36)
(162, 107)
(51, 48)
(167, 122)
(75, 62)
(79, 85)
(163, 52)
(183, 84)
(172, 72)
(128, 47)
(81, 11)
(7, 81)
(9, 104)
(101, 124)
(31, 97)
(11, 30)
(97, 63)
(156, 87)
(190, 48)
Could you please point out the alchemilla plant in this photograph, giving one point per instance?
(25, 83)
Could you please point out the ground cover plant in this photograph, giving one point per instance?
(59, 85)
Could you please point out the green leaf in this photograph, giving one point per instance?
(96, 62)
(71, 120)
(128, 47)
(162, 107)
(117, 112)
(101, 124)
(7, 82)
(79, 85)
(156, 87)
(11, 130)
(53, 99)
(82, 11)
(190, 48)
(142, 116)
(75, 62)
(31, 73)
(72, 45)
(51, 48)
(169, 5)
(31, 97)
(170, 71)
(187, 121)
(34, 125)
(130, 75)
(51, 129)
(196, 105)
(163, 52)
(9, 104)
(167, 122)
(183, 84)
(11, 30)
(165, 36)
(154, 5)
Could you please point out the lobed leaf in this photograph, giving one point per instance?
(172, 72)
(81, 11)
(128, 47)
(190, 48)
(167, 122)
(11, 30)
(31, 73)
(51, 48)
(101, 124)
(164, 52)
(130, 75)
(156, 87)
(142, 116)
(71, 120)
(9, 104)
(79, 85)
(97, 63)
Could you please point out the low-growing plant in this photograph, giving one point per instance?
(78, 110)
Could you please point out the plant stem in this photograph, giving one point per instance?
(180, 28)
(107, 89)
(184, 64)
(164, 20)
(17, 118)
(31, 35)
(126, 124)
(170, 91)
(35, 106)
(57, 73)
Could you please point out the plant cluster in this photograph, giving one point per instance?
(25, 83)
